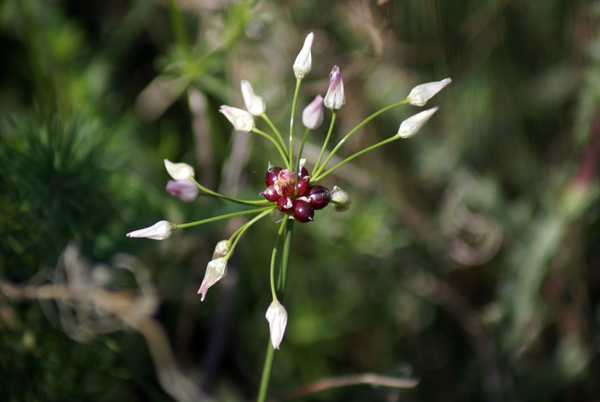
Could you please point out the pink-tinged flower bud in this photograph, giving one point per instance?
(335, 98)
(161, 230)
(312, 115)
(413, 124)
(339, 198)
(255, 104)
(179, 171)
(277, 318)
(215, 271)
(241, 120)
(186, 190)
(303, 62)
(221, 249)
(422, 93)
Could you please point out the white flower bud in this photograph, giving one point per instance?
(335, 97)
(221, 249)
(179, 171)
(255, 104)
(241, 120)
(303, 62)
(186, 190)
(215, 271)
(277, 317)
(340, 199)
(413, 124)
(422, 93)
(312, 115)
(161, 230)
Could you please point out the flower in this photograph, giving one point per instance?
(335, 98)
(179, 171)
(241, 120)
(422, 93)
(255, 104)
(339, 198)
(303, 62)
(413, 124)
(161, 230)
(312, 115)
(277, 317)
(215, 271)
(186, 190)
(221, 249)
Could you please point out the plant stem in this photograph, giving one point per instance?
(291, 142)
(355, 129)
(281, 284)
(279, 148)
(211, 193)
(326, 141)
(277, 133)
(217, 218)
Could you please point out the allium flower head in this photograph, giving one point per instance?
(277, 317)
(422, 93)
(254, 103)
(186, 190)
(215, 271)
(241, 120)
(312, 115)
(413, 124)
(179, 171)
(335, 98)
(161, 230)
(303, 62)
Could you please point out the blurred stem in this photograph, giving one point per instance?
(355, 129)
(301, 150)
(291, 143)
(281, 284)
(326, 140)
(273, 256)
(277, 133)
(178, 27)
(281, 150)
(226, 216)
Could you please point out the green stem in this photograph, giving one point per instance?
(291, 142)
(277, 133)
(326, 141)
(211, 193)
(355, 129)
(279, 148)
(270, 357)
(226, 216)
(178, 27)
(245, 227)
(273, 256)
(359, 153)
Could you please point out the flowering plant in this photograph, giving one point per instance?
(292, 193)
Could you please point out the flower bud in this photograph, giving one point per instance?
(303, 62)
(339, 198)
(241, 120)
(215, 270)
(186, 190)
(161, 230)
(221, 249)
(179, 171)
(422, 93)
(335, 98)
(312, 115)
(254, 104)
(277, 318)
(413, 124)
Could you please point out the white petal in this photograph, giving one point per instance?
(215, 271)
(277, 318)
(303, 62)
(413, 124)
(422, 93)
(255, 104)
(179, 171)
(161, 230)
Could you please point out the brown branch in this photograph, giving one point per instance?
(324, 384)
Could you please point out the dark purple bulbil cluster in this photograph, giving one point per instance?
(301, 200)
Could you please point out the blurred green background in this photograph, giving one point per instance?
(470, 258)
